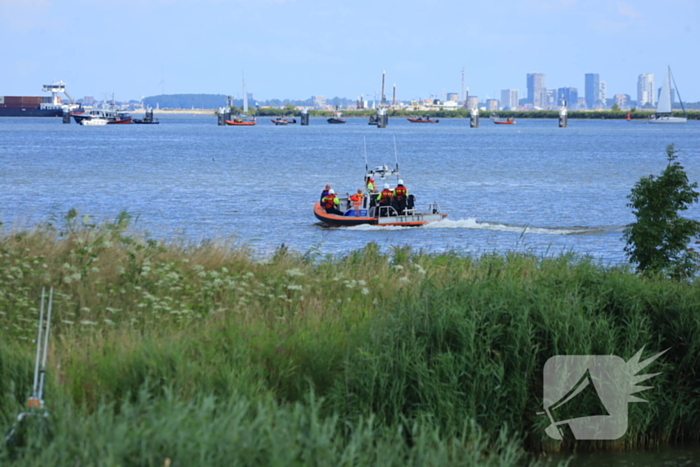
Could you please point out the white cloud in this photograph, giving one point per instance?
(627, 11)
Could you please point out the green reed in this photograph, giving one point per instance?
(424, 345)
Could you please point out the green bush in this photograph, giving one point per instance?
(658, 241)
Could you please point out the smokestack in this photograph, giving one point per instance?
(393, 99)
(383, 100)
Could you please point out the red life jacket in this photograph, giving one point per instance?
(400, 192)
(385, 196)
(329, 201)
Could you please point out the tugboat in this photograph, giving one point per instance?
(423, 119)
(336, 118)
(368, 212)
(147, 118)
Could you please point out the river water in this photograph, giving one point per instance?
(526, 187)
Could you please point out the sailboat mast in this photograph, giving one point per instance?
(675, 87)
(245, 95)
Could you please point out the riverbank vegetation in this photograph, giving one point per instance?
(179, 354)
(463, 113)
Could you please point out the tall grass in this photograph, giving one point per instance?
(400, 357)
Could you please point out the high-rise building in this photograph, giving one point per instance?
(536, 92)
(645, 90)
(491, 104)
(509, 99)
(595, 93)
(568, 97)
(319, 101)
(622, 100)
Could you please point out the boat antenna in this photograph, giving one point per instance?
(396, 156)
(677, 92)
(364, 140)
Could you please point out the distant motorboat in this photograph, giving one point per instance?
(112, 116)
(423, 119)
(239, 120)
(283, 121)
(507, 121)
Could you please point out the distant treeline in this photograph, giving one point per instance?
(272, 107)
(463, 113)
(214, 101)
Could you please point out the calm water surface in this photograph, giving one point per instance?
(528, 187)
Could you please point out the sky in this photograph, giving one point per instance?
(293, 49)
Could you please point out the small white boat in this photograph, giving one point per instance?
(94, 121)
(664, 113)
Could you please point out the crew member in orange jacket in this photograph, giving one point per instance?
(330, 202)
(356, 200)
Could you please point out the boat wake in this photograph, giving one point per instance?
(473, 224)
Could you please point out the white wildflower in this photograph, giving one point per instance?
(294, 287)
(294, 272)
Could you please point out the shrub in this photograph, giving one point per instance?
(658, 241)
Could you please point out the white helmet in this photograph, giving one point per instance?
(400, 182)
(331, 191)
(386, 186)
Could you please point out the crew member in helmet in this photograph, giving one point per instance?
(325, 191)
(384, 198)
(330, 203)
(371, 188)
(400, 197)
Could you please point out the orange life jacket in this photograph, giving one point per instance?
(356, 200)
(329, 201)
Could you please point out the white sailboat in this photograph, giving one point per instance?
(663, 107)
(243, 119)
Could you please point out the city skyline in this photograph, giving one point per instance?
(298, 48)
